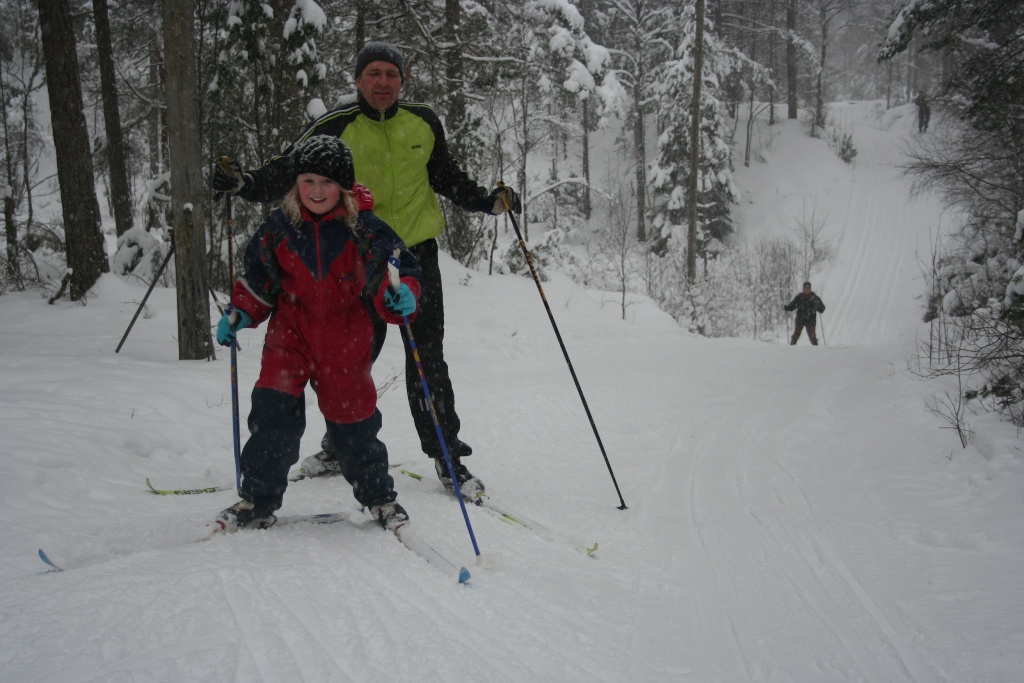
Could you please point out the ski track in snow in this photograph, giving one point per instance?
(863, 285)
(795, 514)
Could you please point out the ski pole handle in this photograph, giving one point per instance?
(394, 261)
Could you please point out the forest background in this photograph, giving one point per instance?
(114, 113)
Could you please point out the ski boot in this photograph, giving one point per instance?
(245, 515)
(390, 515)
(471, 487)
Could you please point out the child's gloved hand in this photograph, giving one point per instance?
(229, 325)
(402, 302)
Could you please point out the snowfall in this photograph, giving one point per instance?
(793, 513)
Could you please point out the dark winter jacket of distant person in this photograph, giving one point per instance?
(807, 305)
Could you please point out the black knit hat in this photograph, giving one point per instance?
(325, 155)
(807, 284)
(383, 52)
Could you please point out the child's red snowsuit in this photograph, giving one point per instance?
(321, 284)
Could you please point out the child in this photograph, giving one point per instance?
(318, 269)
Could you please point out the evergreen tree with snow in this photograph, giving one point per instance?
(671, 170)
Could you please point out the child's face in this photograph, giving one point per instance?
(319, 194)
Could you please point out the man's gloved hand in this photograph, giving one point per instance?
(499, 202)
(227, 177)
(402, 302)
(230, 324)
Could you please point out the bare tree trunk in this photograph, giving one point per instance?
(888, 84)
(11, 233)
(120, 194)
(85, 252)
(698, 77)
(819, 95)
(187, 191)
(791, 61)
(360, 28)
(771, 62)
(639, 145)
(640, 160)
(153, 126)
(526, 152)
(586, 159)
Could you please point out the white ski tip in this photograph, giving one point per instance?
(464, 575)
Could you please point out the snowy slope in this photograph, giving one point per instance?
(795, 514)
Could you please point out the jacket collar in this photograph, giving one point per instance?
(374, 114)
(337, 212)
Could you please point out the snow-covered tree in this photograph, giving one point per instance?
(268, 66)
(639, 35)
(670, 173)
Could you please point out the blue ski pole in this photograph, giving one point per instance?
(394, 261)
(234, 352)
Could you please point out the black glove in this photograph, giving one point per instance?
(498, 203)
(227, 178)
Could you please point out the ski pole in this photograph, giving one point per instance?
(156, 278)
(554, 326)
(235, 431)
(394, 261)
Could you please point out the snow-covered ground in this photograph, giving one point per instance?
(795, 513)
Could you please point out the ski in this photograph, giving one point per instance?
(322, 518)
(292, 478)
(411, 540)
(487, 503)
(186, 492)
(214, 530)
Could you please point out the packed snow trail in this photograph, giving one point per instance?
(796, 513)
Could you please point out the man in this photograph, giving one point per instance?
(401, 155)
(924, 112)
(807, 306)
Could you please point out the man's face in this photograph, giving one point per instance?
(379, 84)
(807, 289)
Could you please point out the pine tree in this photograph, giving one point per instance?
(670, 173)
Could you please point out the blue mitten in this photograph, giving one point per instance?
(229, 325)
(402, 302)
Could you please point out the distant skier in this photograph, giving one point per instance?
(924, 111)
(807, 306)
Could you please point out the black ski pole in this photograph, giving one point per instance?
(554, 326)
(156, 278)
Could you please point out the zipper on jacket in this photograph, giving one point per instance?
(391, 156)
(319, 277)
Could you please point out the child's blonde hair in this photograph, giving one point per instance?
(292, 206)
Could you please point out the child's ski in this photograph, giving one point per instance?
(212, 530)
(411, 540)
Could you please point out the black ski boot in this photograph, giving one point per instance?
(471, 487)
(322, 464)
(245, 515)
(390, 515)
